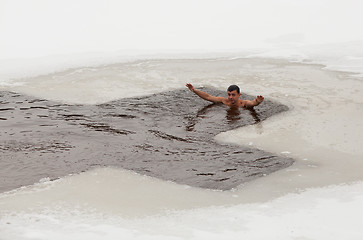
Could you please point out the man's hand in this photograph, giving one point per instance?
(190, 86)
(259, 99)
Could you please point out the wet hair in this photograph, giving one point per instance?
(232, 88)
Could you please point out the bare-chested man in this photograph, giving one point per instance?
(233, 100)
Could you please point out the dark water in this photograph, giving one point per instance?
(167, 135)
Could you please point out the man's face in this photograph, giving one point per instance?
(233, 96)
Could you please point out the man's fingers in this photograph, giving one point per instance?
(190, 86)
(260, 98)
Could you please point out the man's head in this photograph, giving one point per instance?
(232, 88)
(233, 93)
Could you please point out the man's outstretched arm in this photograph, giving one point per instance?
(204, 95)
(257, 101)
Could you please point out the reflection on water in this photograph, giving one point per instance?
(258, 123)
(234, 114)
(254, 114)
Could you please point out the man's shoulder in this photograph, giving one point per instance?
(244, 103)
(223, 100)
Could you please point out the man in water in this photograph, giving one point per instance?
(233, 99)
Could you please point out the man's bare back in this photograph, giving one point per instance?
(233, 99)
